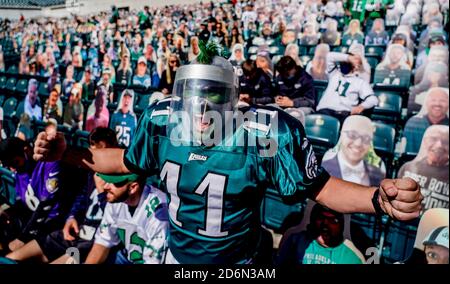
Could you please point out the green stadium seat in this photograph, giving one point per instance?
(81, 139)
(389, 108)
(11, 84)
(384, 144)
(277, 215)
(9, 107)
(399, 240)
(375, 50)
(43, 90)
(373, 62)
(7, 186)
(142, 102)
(22, 86)
(13, 69)
(3, 80)
(322, 131)
(401, 79)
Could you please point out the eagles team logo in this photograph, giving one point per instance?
(52, 185)
(311, 165)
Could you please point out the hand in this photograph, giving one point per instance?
(15, 245)
(400, 198)
(70, 225)
(284, 101)
(49, 147)
(355, 60)
(244, 98)
(357, 110)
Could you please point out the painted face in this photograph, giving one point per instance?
(355, 145)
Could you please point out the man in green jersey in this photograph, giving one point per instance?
(215, 162)
(366, 9)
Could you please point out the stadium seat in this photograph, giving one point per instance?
(373, 62)
(277, 215)
(384, 144)
(43, 90)
(142, 102)
(398, 240)
(389, 108)
(322, 131)
(13, 69)
(375, 51)
(9, 107)
(253, 50)
(22, 86)
(11, 84)
(400, 79)
(341, 48)
(3, 80)
(7, 186)
(81, 139)
(274, 50)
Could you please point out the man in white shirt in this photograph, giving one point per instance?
(136, 216)
(32, 107)
(346, 93)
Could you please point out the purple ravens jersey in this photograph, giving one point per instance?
(43, 183)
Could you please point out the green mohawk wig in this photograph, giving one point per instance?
(210, 49)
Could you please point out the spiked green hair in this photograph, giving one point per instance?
(210, 49)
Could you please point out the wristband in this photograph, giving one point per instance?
(376, 204)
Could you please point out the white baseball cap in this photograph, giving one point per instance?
(437, 237)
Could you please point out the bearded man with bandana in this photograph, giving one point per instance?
(215, 162)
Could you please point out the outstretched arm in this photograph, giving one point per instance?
(53, 148)
(400, 198)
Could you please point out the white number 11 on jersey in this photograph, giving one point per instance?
(215, 184)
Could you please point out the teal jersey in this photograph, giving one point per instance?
(215, 193)
(345, 253)
(124, 125)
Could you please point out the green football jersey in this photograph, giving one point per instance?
(215, 193)
(356, 8)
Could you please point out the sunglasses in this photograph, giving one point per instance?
(354, 135)
(172, 61)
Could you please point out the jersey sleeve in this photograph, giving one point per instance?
(107, 234)
(140, 156)
(294, 166)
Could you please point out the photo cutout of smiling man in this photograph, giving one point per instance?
(354, 159)
(430, 167)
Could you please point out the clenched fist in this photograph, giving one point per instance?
(49, 147)
(400, 198)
